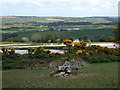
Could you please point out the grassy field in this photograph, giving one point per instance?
(101, 27)
(106, 32)
(53, 19)
(102, 75)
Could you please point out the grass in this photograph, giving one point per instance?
(51, 19)
(99, 75)
(77, 34)
(85, 27)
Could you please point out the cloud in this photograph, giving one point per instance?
(60, 7)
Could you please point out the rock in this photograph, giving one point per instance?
(66, 68)
(83, 63)
(66, 75)
(59, 74)
(61, 68)
(76, 67)
(62, 73)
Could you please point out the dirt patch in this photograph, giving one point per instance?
(79, 76)
(9, 70)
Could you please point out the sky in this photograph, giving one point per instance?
(67, 8)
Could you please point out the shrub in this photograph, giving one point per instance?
(100, 58)
(67, 42)
(11, 64)
(40, 53)
(80, 45)
(31, 50)
(8, 50)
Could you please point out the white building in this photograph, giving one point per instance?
(76, 40)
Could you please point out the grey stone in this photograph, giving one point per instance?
(68, 70)
(60, 74)
(68, 66)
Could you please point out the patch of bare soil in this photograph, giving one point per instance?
(8, 70)
(79, 76)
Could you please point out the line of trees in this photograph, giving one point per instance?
(55, 38)
(58, 23)
(50, 38)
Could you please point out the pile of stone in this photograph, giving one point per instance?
(67, 67)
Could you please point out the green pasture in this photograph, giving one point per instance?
(54, 19)
(76, 34)
(85, 27)
(98, 75)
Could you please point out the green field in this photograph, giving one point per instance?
(77, 34)
(53, 19)
(28, 26)
(99, 75)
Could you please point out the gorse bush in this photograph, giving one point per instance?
(8, 50)
(67, 42)
(31, 50)
(80, 48)
(39, 53)
(80, 45)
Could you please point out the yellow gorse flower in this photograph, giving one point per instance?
(47, 51)
(8, 50)
(87, 53)
(31, 49)
(67, 42)
(80, 44)
(70, 41)
(79, 52)
(51, 54)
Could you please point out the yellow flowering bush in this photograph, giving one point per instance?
(51, 54)
(80, 44)
(6, 50)
(107, 50)
(87, 53)
(99, 49)
(12, 50)
(47, 51)
(79, 52)
(31, 50)
(67, 42)
(95, 47)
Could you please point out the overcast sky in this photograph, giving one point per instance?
(80, 8)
